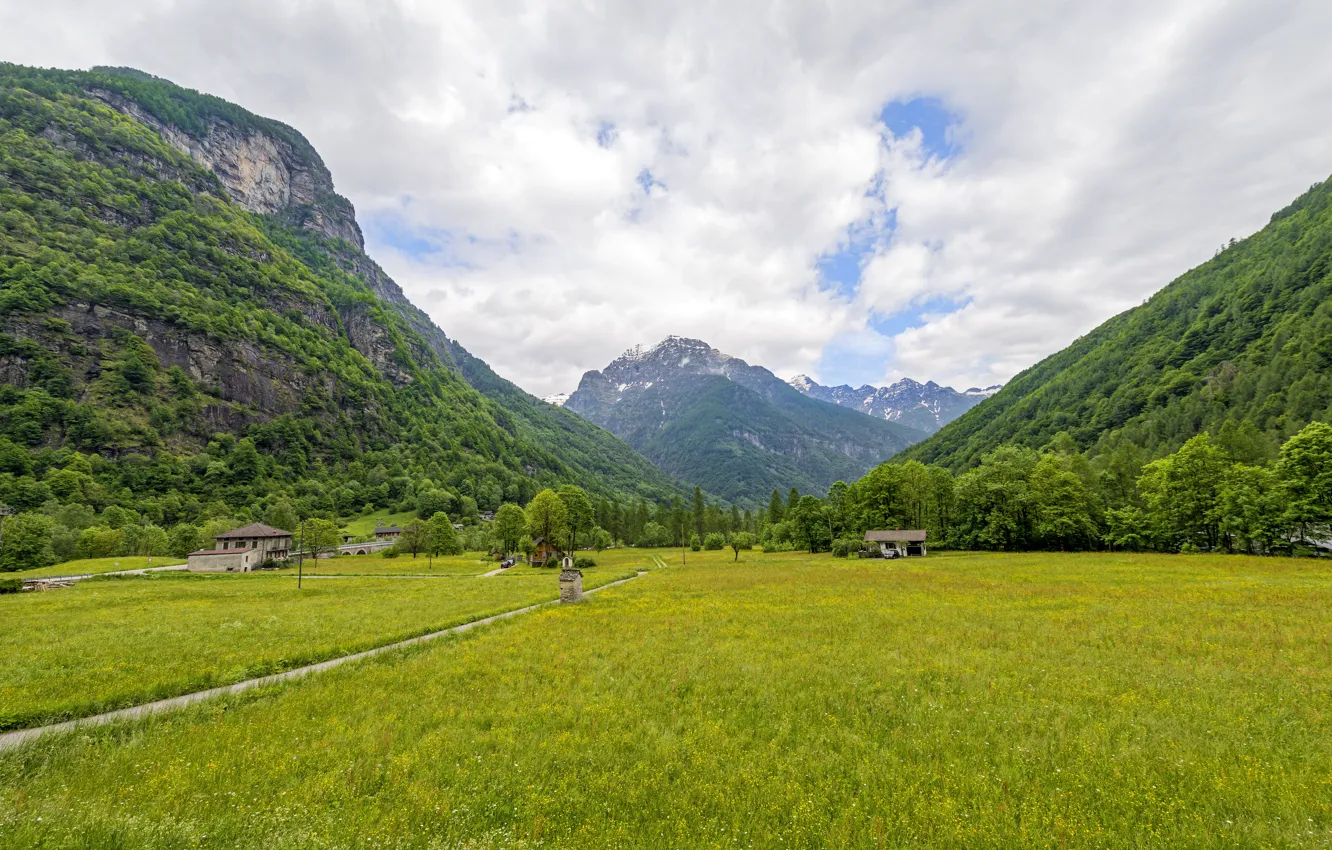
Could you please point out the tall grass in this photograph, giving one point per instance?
(107, 643)
(787, 701)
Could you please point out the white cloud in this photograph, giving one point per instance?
(1105, 148)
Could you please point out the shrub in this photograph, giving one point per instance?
(10, 585)
(778, 547)
(695, 544)
(388, 553)
(584, 563)
(714, 542)
(844, 547)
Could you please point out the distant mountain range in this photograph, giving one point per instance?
(734, 429)
(926, 407)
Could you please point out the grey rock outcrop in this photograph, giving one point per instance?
(262, 173)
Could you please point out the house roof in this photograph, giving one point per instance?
(387, 529)
(895, 536)
(219, 552)
(254, 529)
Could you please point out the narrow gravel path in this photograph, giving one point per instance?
(19, 737)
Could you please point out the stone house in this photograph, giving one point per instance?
(242, 549)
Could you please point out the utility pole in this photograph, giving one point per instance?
(300, 555)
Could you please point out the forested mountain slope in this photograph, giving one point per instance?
(734, 429)
(1246, 336)
(186, 313)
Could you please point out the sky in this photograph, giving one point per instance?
(858, 191)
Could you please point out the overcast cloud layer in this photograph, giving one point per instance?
(555, 182)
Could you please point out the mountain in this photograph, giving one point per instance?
(1246, 337)
(736, 430)
(187, 314)
(926, 407)
(557, 399)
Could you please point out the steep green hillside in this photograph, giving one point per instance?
(1247, 336)
(179, 329)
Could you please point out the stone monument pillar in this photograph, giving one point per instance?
(571, 582)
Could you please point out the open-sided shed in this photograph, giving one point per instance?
(898, 543)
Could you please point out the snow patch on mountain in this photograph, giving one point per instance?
(926, 406)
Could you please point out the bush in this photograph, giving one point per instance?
(778, 547)
(695, 544)
(843, 547)
(743, 540)
(10, 585)
(388, 553)
(714, 542)
(584, 563)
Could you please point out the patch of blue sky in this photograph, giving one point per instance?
(915, 315)
(840, 270)
(646, 180)
(606, 134)
(864, 358)
(938, 125)
(433, 245)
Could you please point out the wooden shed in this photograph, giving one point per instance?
(898, 543)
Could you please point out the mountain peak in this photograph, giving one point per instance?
(927, 407)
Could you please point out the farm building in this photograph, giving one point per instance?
(897, 544)
(387, 532)
(242, 549)
(545, 550)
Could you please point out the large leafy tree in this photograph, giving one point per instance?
(322, 537)
(809, 521)
(413, 537)
(440, 537)
(547, 516)
(579, 514)
(509, 527)
(27, 542)
(1305, 476)
(1062, 504)
(1183, 495)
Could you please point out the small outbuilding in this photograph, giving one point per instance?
(545, 550)
(897, 543)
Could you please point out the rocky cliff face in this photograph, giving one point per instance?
(927, 407)
(261, 173)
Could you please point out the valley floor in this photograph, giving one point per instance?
(784, 701)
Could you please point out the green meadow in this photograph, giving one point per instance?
(961, 700)
(96, 566)
(469, 564)
(368, 523)
(108, 643)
